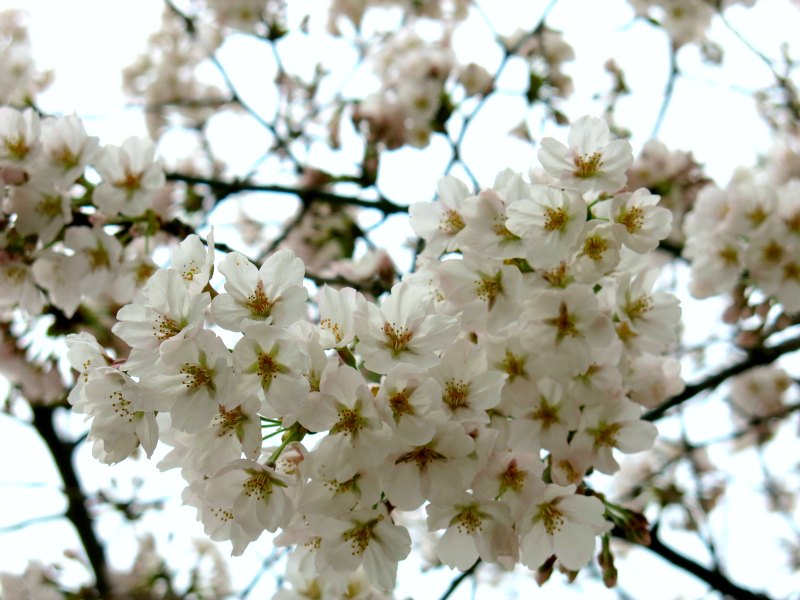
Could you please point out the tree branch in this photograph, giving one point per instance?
(457, 581)
(76, 512)
(755, 358)
(715, 579)
(668, 90)
(226, 188)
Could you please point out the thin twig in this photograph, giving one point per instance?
(458, 580)
(755, 358)
(668, 90)
(30, 522)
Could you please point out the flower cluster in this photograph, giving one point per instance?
(746, 238)
(412, 73)
(46, 256)
(685, 21)
(20, 80)
(483, 387)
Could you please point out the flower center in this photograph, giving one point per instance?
(422, 456)
(228, 422)
(555, 219)
(639, 306)
(488, 289)
(400, 405)
(397, 337)
(546, 413)
(564, 323)
(632, 219)
(334, 328)
(587, 165)
(258, 303)
(350, 422)
(512, 478)
(455, 394)
(468, 520)
(49, 207)
(165, 328)
(605, 434)
(451, 222)
(196, 376)
(360, 535)
(514, 366)
(772, 252)
(595, 246)
(550, 516)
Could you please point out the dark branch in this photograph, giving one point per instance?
(755, 358)
(715, 579)
(76, 512)
(457, 581)
(226, 188)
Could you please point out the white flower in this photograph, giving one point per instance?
(440, 223)
(511, 477)
(19, 137)
(255, 494)
(545, 419)
(194, 261)
(84, 355)
(195, 377)
(485, 293)
(41, 209)
(366, 537)
(549, 223)
(404, 329)
(646, 320)
(638, 222)
(613, 424)
(98, 255)
(716, 262)
(356, 434)
(474, 528)
(57, 273)
(131, 176)
(436, 469)
(273, 294)
(267, 358)
(562, 523)
(592, 163)
(568, 326)
(120, 424)
(18, 287)
(336, 313)
(598, 252)
(408, 401)
(169, 314)
(67, 149)
(468, 388)
(486, 232)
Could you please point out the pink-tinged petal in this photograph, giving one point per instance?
(536, 547)
(574, 545)
(636, 436)
(587, 135)
(555, 157)
(241, 275)
(456, 549)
